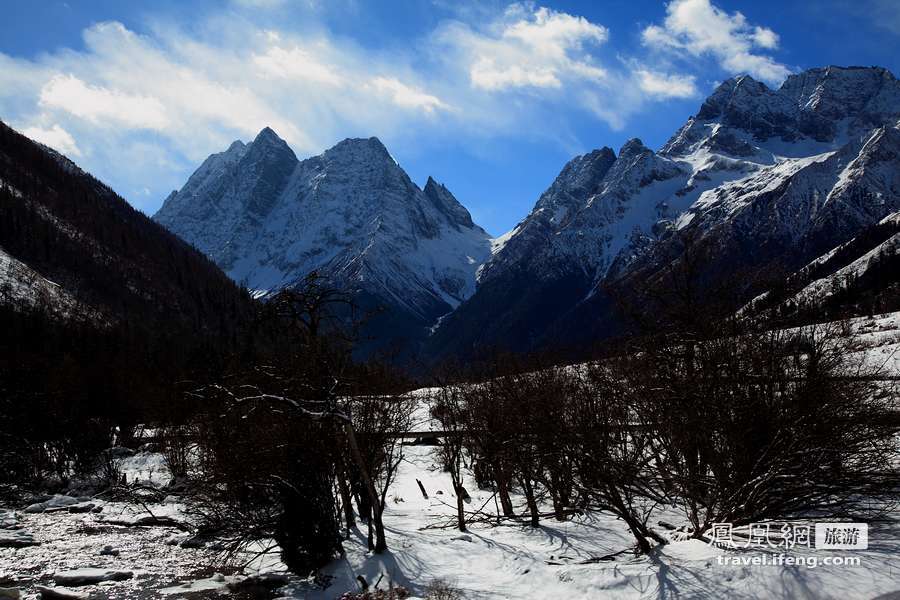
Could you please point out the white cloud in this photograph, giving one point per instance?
(698, 28)
(146, 108)
(408, 96)
(662, 85)
(537, 48)
(538, 54)
(294, 63)
(765, 38)
(56, 137)
(103, 106)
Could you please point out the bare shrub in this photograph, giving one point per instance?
(440, 589)
(766, 424)
(177, 444)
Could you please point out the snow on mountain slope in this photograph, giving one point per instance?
(768, 176)
(821, 288)
(602, 216)
(20, 285)
(351, 213)
(808, 205)
(579, 179)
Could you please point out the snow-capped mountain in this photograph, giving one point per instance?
(764, 176)
(352, 214)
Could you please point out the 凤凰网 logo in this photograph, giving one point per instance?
(828, 536)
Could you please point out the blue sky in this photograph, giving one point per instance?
(490, 98)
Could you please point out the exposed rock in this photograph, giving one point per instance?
(61, 593)
(8, 519)
(120, 452)
(264, 581)
(147, 521)
(17, 539)
(196, 541)
(90, 576)
(54, 502)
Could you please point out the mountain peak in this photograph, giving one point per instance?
(358, 145)
(267, 133)
(633, 147)
(836, 92)
(267, 143)
(351, 214)
(740, 93)
(447, 203)
(579, 178)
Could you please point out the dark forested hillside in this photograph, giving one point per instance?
(114, 261)
(101, 310)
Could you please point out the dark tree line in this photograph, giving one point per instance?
(78, 233)
(109, 312)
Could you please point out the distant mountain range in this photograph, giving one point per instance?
(763, 178)
(803, 180)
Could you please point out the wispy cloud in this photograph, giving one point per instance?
(665, 85)
(154, 104)
(698, 27)
(102, 106)
(56, 137)
(407, 96)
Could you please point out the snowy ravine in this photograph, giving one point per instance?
(351, 214)
(510, 561)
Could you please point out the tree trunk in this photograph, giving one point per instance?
(380, 542)
(460, 512)
(422, 489)
(637, 529)
(505, 502)
(532, 503)
(346, 499)
(558, 508)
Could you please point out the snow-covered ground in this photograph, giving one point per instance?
(490, 561)
(515, 561)
(878, 342)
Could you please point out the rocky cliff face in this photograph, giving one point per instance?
(351, 214)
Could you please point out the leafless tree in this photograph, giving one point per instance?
(449, 409)
(377, 420)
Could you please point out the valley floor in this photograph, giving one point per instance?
(487, 562)
(511, 560)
